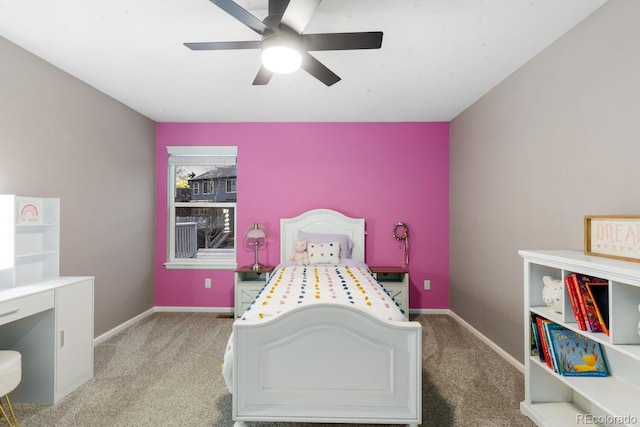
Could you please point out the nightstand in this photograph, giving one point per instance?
(247, 285)
(396, 281)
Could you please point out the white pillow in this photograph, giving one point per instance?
(346, 244)
(324, 253)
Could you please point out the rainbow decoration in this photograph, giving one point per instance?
(29, 213)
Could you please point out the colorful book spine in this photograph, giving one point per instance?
(588, 309)
(573, 298)
(550, 328)
(598, 292)
(535, 343)
(536, 336)
(543, 339)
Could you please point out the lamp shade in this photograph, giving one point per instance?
(256, 235)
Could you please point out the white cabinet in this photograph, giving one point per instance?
(74, 336)
(47, 318)
(51, 325)
(396, 281)
(554, 400)
(30, 236)
(247, 285)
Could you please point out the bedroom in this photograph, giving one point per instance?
(520, 175)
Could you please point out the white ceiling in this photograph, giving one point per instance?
(437, 56)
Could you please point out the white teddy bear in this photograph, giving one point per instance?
(300, 255)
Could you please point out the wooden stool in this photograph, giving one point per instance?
(10, 377)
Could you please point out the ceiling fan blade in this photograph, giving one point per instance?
(263, 77)
(242, 15)
(342, 41)
(299, 13)
(278, 7)
(224, 45)
(275, 12)
(318, 70)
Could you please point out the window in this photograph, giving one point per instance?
(207, 187)
(202, 207)
(231, 185)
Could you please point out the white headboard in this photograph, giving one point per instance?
(322, 221)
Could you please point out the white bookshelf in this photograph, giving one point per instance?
(30, 229)
(555, 400)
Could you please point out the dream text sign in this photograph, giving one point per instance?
(612, 236)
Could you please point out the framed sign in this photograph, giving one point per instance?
(612, 236)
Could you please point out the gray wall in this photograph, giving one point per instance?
(557, 140)
(61, 138)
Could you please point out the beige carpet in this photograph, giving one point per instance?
(165, 371)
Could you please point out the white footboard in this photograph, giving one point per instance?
(327, 363)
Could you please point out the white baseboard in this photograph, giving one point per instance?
(122, 327)
(506, 356)
(429, 311)
(226, 310)
(125, 325)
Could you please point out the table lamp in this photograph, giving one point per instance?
(256, 236)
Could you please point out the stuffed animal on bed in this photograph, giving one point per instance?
(300, 255)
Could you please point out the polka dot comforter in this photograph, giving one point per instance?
(350, 283)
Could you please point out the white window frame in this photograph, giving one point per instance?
(219, 258)
(235, 185)
(207, 185)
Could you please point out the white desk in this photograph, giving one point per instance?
(51, 324)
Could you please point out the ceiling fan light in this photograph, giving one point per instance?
(281, 59)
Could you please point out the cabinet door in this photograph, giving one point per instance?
(246, 293)
(74, 336)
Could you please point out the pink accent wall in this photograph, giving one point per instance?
(383, 172)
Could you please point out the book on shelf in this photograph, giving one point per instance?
(580, 302)
(537, 340)
(573, 298)
(540, 321)
(533, 340)
(599, 293)
(584, 300)
(549, 329)
(577, 355)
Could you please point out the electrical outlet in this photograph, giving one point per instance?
(427, 285)
(207, 283)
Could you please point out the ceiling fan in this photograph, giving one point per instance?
(282, 34)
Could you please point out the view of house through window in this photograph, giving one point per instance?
(202, 216)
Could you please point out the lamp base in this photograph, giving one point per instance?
(257, 267)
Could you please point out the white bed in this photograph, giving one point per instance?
(326, 362)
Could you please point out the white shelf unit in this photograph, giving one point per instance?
(31, 228)
(555, 400)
